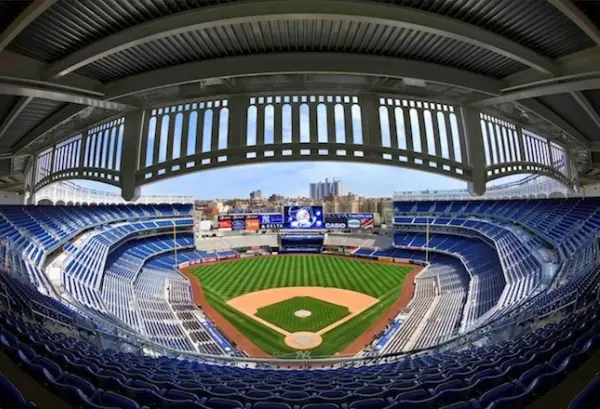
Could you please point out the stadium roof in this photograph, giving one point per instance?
(66, 64)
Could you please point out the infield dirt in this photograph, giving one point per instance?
(252, 349)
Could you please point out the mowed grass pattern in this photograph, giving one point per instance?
(231, 279)
(224, 281)
(283, 315)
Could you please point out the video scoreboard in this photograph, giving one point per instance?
(303, 217)
(296, 218)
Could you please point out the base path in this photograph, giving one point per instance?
(250, 303)
(253, 350)
(220, 322)
(406, 295)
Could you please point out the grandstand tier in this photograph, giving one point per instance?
(112, 270)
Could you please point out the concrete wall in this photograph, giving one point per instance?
(591, 190)
(11, 198)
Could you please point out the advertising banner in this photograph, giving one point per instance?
(252, 222)
(303, 217)
(224, 222)
(349, 221)
(336, 221)
(238, 223)
(271, 221)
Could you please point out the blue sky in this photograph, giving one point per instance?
(292, 179)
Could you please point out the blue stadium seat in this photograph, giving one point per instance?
(588, 397)
(10, 397)
(371, 403)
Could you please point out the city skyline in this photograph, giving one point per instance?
(322, 189)
(293, 179)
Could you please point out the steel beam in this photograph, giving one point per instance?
(27, 69)
(55, 92)
(584, 103)
(49, 124)
(13, 115)
(260, 11)
(320, 63)
(543, 90)
(295, 63)
(578, 17)
(573, 13)
(547, 114)
(32, 12)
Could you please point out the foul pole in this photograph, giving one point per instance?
(427, 240)
(175, 243)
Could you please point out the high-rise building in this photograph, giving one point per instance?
(314, 192)
(337, 188)
(321, 190)
(256, 195)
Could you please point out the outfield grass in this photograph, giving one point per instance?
(224, 281)
(282, 315)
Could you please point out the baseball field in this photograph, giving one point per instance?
(285, 304)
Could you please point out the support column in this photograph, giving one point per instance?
(31, 180)
(370, 120)
(471, 127)
(130, 158)
(238, 124)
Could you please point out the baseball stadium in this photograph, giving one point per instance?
(484, 297)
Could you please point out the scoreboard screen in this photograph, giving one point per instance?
(303, 217)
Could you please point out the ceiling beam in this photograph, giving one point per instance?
(32, 12)
(352, 64)
(578, 17)
(554, 80)
(12, 185)
(60, 117)
(55, 92)
(304, 63)
(29, 69)
(547, 114)
(584, 103)
(259, 11)
(553, 88)
(13, 115)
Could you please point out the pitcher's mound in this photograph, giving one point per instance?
(303, 313)
(303, 340)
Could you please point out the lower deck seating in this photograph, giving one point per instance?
(508, 374)
(487, 279)
(436, 309)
